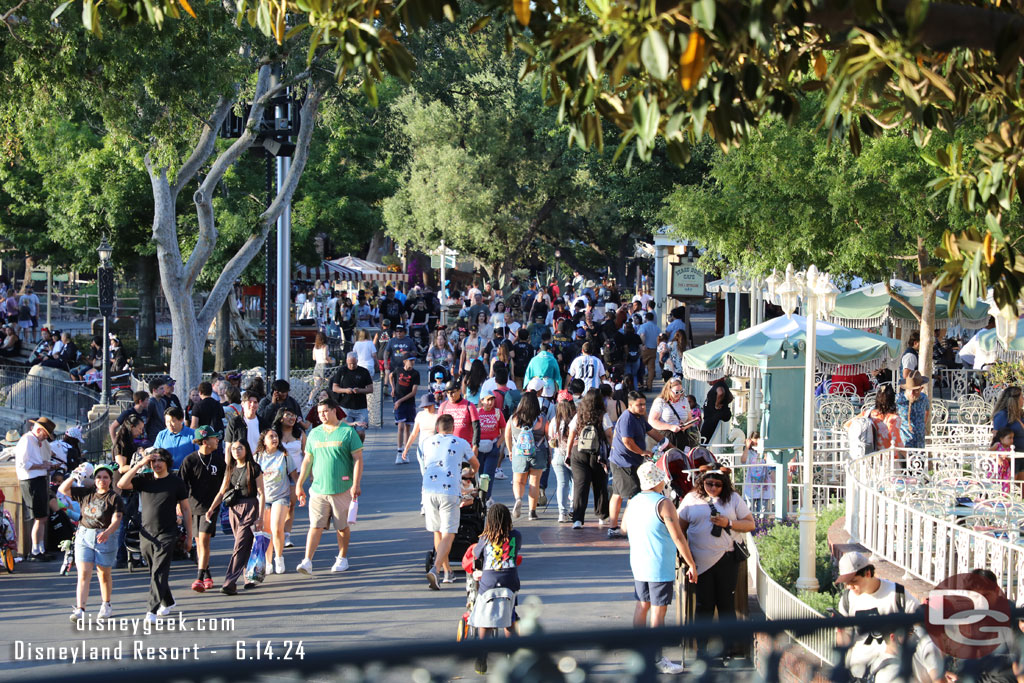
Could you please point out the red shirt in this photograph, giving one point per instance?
(492, 424)
(464, 413)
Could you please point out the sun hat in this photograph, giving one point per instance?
(916, 381)
(486, 393)
(47, 424)
(12, 437)
(650, 476)
(850, 564)
(427, 400)
(74, 432)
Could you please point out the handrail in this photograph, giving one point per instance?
(925, 545)
(778, 603)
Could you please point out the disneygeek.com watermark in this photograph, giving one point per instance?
(968, 616)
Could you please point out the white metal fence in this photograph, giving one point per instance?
(906, 510)
(779, 603)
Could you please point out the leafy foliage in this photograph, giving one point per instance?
(778, 549)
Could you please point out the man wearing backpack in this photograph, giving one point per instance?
(866, 595)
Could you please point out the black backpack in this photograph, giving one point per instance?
(24, 312)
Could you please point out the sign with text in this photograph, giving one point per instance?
(687, 280)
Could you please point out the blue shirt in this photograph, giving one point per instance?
(674, 327)
(179, 445)
(649, 333)
(652, 554)
(912, 426)
(636, 428)
(1001, 420)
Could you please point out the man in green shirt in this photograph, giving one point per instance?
(334, 456)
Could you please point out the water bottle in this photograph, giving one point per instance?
(353, 510)
(485, 482)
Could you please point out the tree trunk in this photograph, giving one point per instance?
(222, 342)
(26, 282)
(378, 247)
(149, 272)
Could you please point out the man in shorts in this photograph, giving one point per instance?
(443, 456)
(32, 463)
(654, 537)
(629, 448)
(203, 472)
(405, 382)
(334, 457)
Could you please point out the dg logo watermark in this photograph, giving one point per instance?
(968, 616)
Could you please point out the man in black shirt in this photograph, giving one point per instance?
(351, 383)
(405, 383)
(522, 355)
(159, 492)
(629, 343)
(209, 410)
(140, 408)
(391, 308)
(203, 472)
(278, 399)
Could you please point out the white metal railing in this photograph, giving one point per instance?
(924, 536)
(779, 603)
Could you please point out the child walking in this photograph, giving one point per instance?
(498, 553)
(1002, 442)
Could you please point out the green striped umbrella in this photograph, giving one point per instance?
(740, 354)
(872, 306)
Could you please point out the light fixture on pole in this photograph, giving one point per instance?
(558, 255)
(819, 297)
(105, 287)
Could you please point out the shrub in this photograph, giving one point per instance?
(778, 548)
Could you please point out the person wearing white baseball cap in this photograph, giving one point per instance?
(866, 594)
(655, 535)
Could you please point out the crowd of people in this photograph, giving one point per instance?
(536, 380)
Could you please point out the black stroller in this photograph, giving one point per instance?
(471, 525)
(133, 545)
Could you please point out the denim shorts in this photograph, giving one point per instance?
(88, 550)
(521, 464)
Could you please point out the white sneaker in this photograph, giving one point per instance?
(106, 611)
(288, 540)
(498, 474)
(305, 567)
(279, 565)
(562, 518)
(577, 525)
(76, 614)
(667, 667)
(517, 509)
(398, 459)
(340, 564)
(150, 618)
(165, 610)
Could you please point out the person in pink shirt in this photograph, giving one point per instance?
(492, 429)
(467, 422)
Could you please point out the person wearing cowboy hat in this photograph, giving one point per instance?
(655, 535)
(33, 463)
(914, 409)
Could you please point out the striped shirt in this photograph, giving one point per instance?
(331, 452)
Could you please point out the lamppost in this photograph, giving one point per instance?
(105, 285)
(558, 269)
(819, 297)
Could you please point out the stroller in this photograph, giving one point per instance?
(133, 544)
(677, 465)
(471, 525)
(496, 605)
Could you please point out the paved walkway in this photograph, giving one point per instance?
(581, 577)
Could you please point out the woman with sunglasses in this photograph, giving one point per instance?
(670, 412)
(712, 515)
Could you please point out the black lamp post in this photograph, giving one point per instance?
(105, 284)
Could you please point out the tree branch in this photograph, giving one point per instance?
(203, 148)
(248, 251)
(164, 235)
(899, 298)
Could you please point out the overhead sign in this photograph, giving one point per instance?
(449, 261)
(687, 280)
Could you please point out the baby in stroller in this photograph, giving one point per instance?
(492, 579)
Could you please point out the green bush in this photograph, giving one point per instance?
(779, 552)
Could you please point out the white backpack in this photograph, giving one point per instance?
(861, 433)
